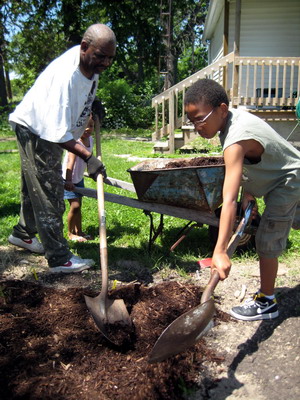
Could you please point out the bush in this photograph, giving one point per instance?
(124, 107)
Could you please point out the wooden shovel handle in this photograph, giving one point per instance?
(232, 245)
(102, 219)
(210, 287)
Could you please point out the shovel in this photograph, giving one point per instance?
(105, 311)
(187, 329)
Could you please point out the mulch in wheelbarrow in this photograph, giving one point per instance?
(51, 349)
(195, 162)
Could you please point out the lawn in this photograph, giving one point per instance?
(127, 228)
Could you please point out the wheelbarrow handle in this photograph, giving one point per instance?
(232, 245)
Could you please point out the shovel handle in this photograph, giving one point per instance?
(232, 245)
(102, 220)
(210, 287)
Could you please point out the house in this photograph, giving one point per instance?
(254, 52)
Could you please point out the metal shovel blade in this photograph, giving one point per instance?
(106, 312)
(183, 332)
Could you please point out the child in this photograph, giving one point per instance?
(265, 165)
(73, 170)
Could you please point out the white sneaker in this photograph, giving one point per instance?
(75, 264)
(88, 261)
(30, 244)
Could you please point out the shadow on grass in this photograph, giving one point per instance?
(9, 209)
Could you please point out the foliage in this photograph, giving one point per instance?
(124, 107)
(37, 31)
(5, 129)
(191, 61)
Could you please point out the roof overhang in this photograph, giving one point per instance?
(214, 10)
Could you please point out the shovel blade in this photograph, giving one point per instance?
(107, 312)
(184, 332)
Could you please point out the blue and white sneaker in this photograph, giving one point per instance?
(255, 308)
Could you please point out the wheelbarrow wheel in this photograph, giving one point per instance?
(247, 241)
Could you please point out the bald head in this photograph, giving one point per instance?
(97, 50)
(97, 32)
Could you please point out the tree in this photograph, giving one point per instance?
(40, 30)
(182, 23)
(3, 86)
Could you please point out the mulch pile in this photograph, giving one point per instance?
(50, 347)
(195, 162)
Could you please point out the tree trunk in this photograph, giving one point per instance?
(167, 24)
(8, 85)
(3, 92)
(71, 11)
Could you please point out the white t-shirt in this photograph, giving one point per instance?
(79, 164)
(58, 105)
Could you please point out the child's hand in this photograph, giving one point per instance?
(246, 198)
(69, 185)
(221, 262)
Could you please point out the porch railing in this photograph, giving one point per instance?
(259, 83)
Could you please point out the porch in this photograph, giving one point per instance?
(266, 86)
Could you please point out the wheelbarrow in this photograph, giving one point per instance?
(190, 186)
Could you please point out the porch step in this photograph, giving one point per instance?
(189, 133)
(161, 147)
(181, 139)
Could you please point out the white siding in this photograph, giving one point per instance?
(268, 28)
(216, 46)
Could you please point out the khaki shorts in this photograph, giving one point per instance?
(274, 228)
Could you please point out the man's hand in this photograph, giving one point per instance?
(221, 262)
(95, 167)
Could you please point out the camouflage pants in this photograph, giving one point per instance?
(42, 189)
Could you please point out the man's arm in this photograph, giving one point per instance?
(69, 185)
(73, 147)
(94, 166)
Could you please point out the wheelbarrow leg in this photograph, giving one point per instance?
(154, 232)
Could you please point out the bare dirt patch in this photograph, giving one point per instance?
(50, 347)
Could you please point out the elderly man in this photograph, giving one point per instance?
(51, 117)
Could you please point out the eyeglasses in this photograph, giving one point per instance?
(201, 121)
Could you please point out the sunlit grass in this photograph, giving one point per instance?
(127, 228)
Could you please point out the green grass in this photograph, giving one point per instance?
(127, 228)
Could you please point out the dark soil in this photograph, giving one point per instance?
(50, 347)
(195, 162)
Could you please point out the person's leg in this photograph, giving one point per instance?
(268, 272)
(74, 218)
(271, 238)
(26, 227)
(42, 195)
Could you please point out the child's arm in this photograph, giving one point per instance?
(69, 170)
(233, 157)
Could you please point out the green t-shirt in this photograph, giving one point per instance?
(277, 175)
